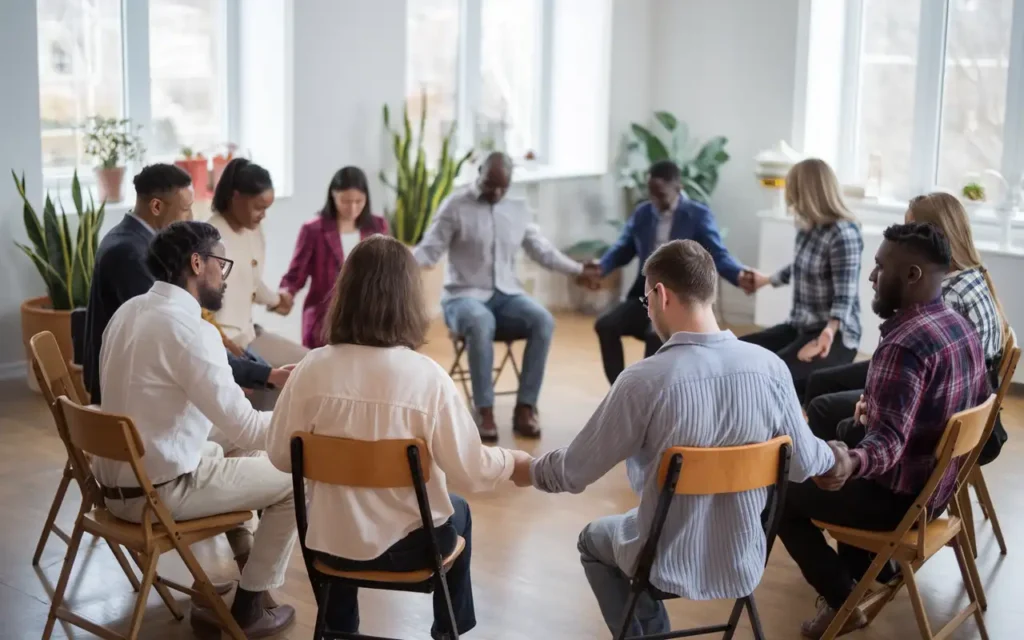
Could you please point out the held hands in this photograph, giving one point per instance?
(840, 471)
(591, 276)
(819, 347)
(278, 377)
(521, 471)
(284, 304)
(751, 280)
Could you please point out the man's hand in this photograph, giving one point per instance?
(841, 471)
(521, 471)
(819, 347)
(278, 377)
(751, 280)
(591, 276)
(860, 411)
(284, 305)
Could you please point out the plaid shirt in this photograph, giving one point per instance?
(928, 366)
(967, 292)
(825, 273)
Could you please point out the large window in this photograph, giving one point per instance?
(481, 65)
(934, 84)
(161, 63)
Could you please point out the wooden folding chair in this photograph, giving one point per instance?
(975, 478)
(461, 374)
(917, 539)
(693, 471)
(48, 364)
(381, 464)
(103, 435)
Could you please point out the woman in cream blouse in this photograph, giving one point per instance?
(369, 383)
(240, 202)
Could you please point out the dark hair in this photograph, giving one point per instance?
(242, 176)
(923, 238)
(378, 297)
(664, 170)
(685, 268)
(158, 180)
(172, 249)
(344, 179)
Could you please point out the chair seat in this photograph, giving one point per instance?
(131, 534)
(391, 577)
(937, 534)
(499, 336)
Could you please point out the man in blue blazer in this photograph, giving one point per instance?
(668, 215)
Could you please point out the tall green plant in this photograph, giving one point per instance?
(419, 189)
(64, 261)
(698, 166)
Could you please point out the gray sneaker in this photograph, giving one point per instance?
(816, 627)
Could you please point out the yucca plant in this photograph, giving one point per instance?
(64, 261)
(698, 166)
(419, 188)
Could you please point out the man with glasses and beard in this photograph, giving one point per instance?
(928, 366)
(164, 367)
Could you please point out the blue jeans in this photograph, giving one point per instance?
(411, 554)
(611, 585)
(517, 315)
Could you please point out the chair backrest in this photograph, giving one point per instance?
(380, 464)
(724, 469)
(1008, 360)
(51, 369)
(78, 327)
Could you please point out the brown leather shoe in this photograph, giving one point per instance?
(486, 425)
(270, 622)
(524, 421)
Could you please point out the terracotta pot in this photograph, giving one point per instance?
(197, 169)
(109, 182)
(37, 316)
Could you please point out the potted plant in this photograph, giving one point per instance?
(64, 259)
(419, 188)
(699, 166)
(112, 142)
(220, 161)
(195, 166)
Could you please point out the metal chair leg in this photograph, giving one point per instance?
(755, 619)
(321, 611)
(634, 596)
(442, 583)
(734, 619)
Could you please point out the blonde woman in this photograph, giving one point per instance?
(833, 393)
(823, 329)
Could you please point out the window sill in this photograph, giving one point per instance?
(532, 173)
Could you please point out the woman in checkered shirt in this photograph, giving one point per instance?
(823, 329)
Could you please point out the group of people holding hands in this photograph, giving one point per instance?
(172, 343)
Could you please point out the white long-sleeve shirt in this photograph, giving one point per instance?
(374, 393)
(164, 367)
(248, 249)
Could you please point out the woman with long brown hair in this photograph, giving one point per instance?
(369, 383)
(823, 328)
(832, 394)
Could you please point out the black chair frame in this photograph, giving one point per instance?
(640, 582)
(322, 583)
(461, 374)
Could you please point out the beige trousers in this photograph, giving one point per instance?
(275, 349)
(221, 485)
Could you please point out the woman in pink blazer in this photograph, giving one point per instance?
(323, 244)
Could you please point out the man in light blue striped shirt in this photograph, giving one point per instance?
(703, 388)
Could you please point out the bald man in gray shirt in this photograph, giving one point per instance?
(703, 388)
(482, 231)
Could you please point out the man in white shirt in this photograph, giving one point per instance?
(164, 367)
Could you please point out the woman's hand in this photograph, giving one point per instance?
(284, 303)
(751, 280)
(819, 347)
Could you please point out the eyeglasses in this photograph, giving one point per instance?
(645, 299)
(225, 264)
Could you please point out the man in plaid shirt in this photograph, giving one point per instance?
(928, 366)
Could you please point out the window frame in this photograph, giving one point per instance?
(928, 94)
(470, 75)
(136, 87)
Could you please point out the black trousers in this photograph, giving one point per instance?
(628, 318)
(864, 504)
(846, 377)
(411, 554)
(785, 341)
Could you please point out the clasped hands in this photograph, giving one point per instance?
(521, 470)
(284, 303)
(591, 276)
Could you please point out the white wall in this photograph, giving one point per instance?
(20, 150)
(728, 68)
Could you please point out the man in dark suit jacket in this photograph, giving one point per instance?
(163, 196)
(668, 215)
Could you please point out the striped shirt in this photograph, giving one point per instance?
(825, 273)
(698, 390)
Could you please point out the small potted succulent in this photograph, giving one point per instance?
(112, 142)
(974, 192)
(195, 165)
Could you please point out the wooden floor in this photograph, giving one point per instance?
(527, 579)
